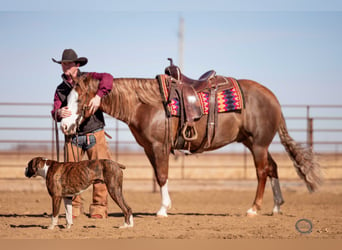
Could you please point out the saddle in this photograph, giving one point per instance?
(187, 91)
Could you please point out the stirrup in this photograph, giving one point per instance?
(189, 128)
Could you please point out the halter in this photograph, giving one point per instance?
(82, 113)
(77, 122)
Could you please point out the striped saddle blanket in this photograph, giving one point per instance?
(229, 97)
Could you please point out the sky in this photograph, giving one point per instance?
(292, 47)
(294, 52)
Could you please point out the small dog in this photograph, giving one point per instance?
(66, 179)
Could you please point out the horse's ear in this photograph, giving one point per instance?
(74, 79)
(83, 78)
(86, 77)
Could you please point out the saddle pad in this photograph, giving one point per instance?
(228, 100)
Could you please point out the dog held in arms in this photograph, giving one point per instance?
(66, 179)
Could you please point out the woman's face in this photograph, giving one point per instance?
(70, 68)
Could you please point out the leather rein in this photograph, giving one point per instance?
(78, 119)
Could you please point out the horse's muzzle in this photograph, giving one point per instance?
(68, 131)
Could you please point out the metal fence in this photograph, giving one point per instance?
(26, 128)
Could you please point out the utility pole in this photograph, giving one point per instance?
(181, 43)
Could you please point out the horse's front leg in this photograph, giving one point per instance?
(165, 200)
(159, 159)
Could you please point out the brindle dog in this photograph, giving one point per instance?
(66, 179)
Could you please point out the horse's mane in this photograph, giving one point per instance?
(127, 94)
(145, 89)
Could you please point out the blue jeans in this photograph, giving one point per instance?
(84, 141)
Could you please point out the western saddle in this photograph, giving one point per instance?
(186, 90)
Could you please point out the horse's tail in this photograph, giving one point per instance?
(306, 166)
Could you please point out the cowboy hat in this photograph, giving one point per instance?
(69, 55)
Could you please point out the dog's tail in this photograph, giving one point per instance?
(121, 166)
(111, 164)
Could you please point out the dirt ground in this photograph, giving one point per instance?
(196, 214)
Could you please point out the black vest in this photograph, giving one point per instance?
(92, 123)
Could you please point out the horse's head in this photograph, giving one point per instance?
(78, 101)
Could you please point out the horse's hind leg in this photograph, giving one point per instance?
(277, 195)
(261, 165)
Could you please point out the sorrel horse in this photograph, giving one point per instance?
(137, 102)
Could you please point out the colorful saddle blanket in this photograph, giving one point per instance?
(228, 99)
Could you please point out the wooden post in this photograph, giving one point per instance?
(309, 139)
(53, 140)
(245, 162)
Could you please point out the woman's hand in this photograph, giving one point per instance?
(64, 112)
(94, 104)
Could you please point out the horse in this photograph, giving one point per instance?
(138, 103)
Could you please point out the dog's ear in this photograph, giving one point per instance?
(35, 162)
(34, 165)
(31, 169)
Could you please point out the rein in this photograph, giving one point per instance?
(78, 119)
(57, 137)
(68, 138)
(84, 108)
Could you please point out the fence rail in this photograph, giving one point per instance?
(27, 128)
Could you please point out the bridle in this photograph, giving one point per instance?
(85, 107)
(78, 120)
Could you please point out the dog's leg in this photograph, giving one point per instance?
(115, 191)
(56, 203)
(68, 211)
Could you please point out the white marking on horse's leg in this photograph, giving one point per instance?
(131, 223)
(277, 196)
(68, 211)
(166, 201)
(54, 222)
(251, 212)
(276, 209)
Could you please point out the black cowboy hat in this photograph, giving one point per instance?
(69, 55)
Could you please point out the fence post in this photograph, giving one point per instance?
(309, 132)
(245, 162)
(116, 150)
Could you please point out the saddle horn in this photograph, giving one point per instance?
(171, 61)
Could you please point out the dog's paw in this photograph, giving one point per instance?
(125, 225)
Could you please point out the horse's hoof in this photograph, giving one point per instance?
(51, 227)
(276, 211)
(161, 214)
(68, 226)
(251, 213)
